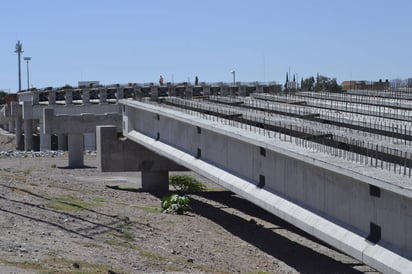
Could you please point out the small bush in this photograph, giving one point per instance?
(186, 183)
(175, 204)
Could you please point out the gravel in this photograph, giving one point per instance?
(54, 219)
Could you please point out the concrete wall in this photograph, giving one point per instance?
(340, 198)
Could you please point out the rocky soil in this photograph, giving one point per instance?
(59, 220)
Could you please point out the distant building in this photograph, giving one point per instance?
(88, 84)
(349, 85)
(361, 85)
(381, 85)
(291, 85)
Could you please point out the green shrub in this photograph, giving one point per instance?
(186, 183)
(175, 204)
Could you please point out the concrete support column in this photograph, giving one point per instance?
(137, 93)
(69, 96)
(224, 90)
(119, 93)
(36, 98)
(242, 91)
(89, 141)
(155, 180)
(17, 122)
(52, 97)
(206, 90)
(75, 143)
(103, 95)
(28, 134)
(62, 142)
(154, 93)
(11, 126)
(45, 139)
(189, 92)
(86, 96)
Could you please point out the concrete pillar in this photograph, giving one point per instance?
(36, 98)
(11, 126)
(62, 142)
(103, 95)
(75, 143)
(189, 92)
(225, 90)
(86, 96)
(52, 97)
(89, 141)
(119, 93)
(206, 90)
(155, 180)
(69, 96)
(28, 134)
(137, 93)
(45, 139)
(154, 93)
(242, 91)
(17, 122)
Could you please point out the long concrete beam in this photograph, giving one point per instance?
(362, 211)
(77, 124)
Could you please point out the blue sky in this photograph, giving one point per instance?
(126, 41)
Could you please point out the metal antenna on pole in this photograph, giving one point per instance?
(19, 51)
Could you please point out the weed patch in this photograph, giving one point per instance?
(186, 183)
(69, 203)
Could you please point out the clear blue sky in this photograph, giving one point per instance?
(126, 41)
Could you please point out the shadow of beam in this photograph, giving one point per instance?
(302, 258)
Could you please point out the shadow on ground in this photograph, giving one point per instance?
(300, 257)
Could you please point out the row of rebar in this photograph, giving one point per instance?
(351, 149)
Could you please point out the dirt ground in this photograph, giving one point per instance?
(59, 220)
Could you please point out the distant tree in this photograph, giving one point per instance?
(324, 83)
(2, 97)
(308, 84)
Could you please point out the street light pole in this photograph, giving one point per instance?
(19, 51)
(27, 59)
(234, 77)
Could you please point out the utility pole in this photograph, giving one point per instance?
(27, 59)
(19, 51)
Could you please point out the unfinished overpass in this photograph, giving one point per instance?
(339, 168)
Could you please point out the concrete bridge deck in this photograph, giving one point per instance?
(358, 202)
(357, 208)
